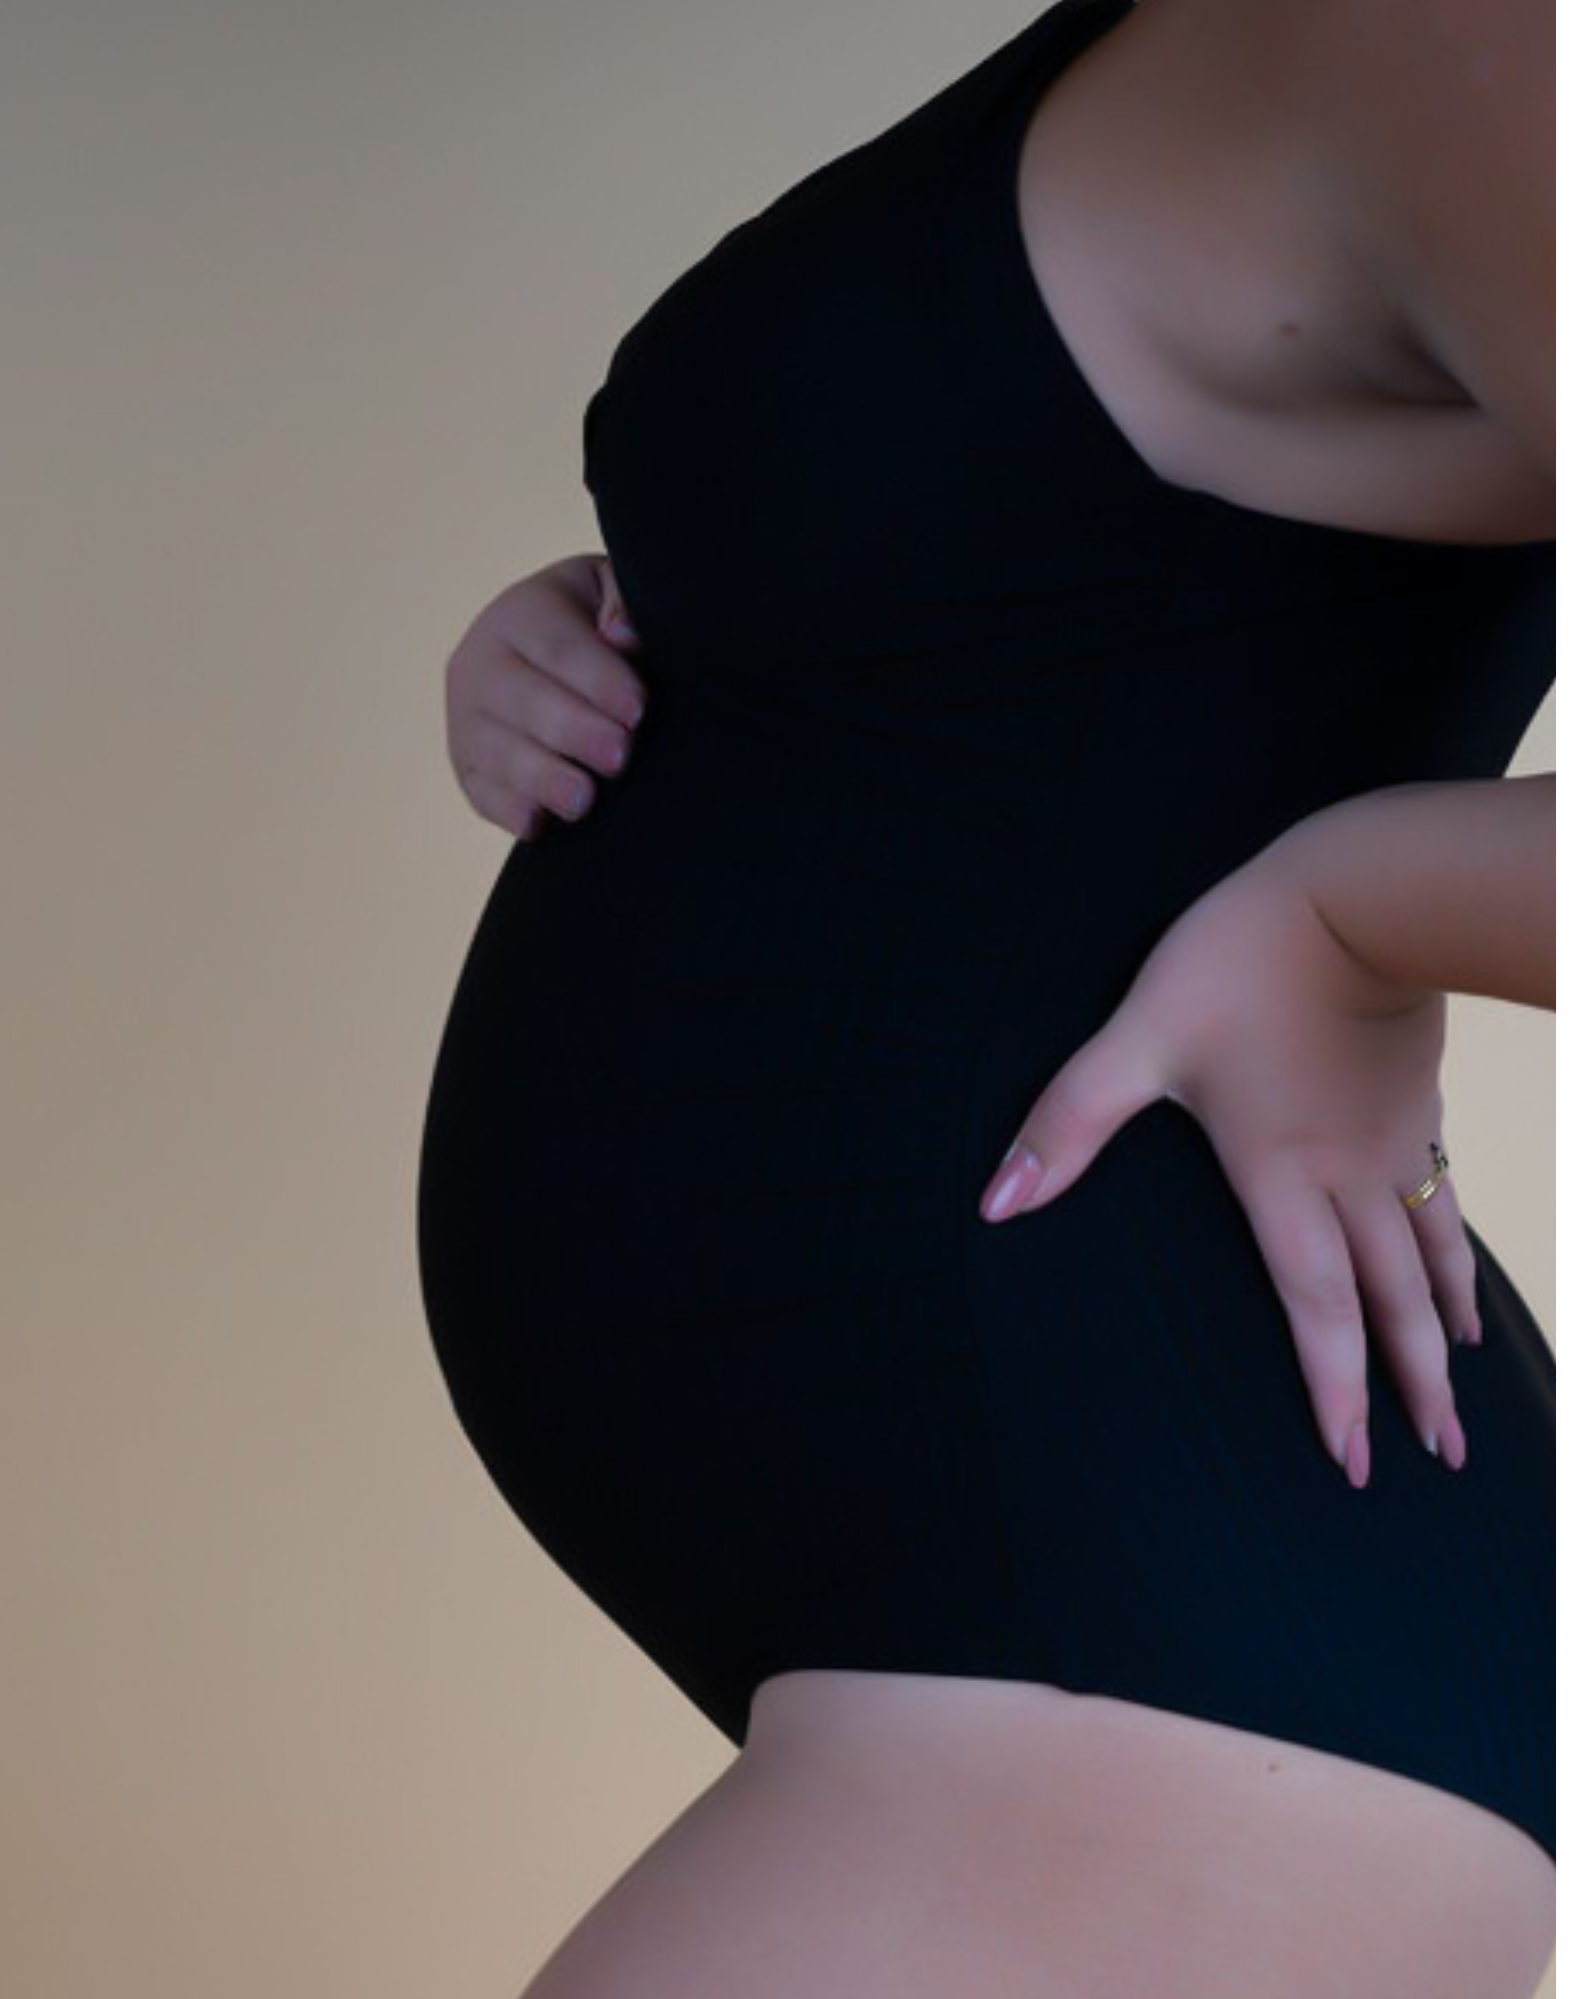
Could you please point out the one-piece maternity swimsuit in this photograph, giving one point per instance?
(955, 704)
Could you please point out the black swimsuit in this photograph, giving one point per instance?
(955, 704)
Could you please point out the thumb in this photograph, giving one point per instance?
(1094, 1093)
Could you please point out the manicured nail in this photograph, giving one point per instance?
(1453, 1442)
(1354, 1454)
(1019, 1164)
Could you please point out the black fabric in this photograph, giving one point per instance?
(954, 705)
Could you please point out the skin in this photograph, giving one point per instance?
(1297, 1010)
(1375, 351)
(919, 1837)
(1465, 902)
(539, 697)
(1273, 235)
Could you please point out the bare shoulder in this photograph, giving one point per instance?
(1434, 122)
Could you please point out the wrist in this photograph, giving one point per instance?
(1439, 885)
(1320, 857)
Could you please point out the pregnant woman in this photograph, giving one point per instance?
(933, 1206)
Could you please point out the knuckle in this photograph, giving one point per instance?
(1062, 1108)
(1324, 1298)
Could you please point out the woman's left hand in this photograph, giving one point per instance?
(1317, 1081)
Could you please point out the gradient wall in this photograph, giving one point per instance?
(300, 307)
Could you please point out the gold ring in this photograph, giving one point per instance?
(1429, 1187)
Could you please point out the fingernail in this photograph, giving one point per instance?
(1006, 1191)
(633, 710)
(1431, 1444)
(1354, 1454)
(1453, 1442)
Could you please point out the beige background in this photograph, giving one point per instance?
(301, 306)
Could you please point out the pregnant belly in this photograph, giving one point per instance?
(723, 1073)
(722, 1080)
(751, 978)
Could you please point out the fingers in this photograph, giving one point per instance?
(1346, 1261)
(1447, 1254)
(1394, 1282)
(1305, 1249)
(532, 703)
(503, 760)
(502, 806)
(553, 620)
(538, 696)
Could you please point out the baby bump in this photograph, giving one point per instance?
(707, 1082)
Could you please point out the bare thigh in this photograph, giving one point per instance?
(896, 1836)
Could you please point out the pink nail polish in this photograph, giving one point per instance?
(1002, 1200)
(1354, 1456)
(1022, 1170)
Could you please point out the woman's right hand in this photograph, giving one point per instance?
(538, 695)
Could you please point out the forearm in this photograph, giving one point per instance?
(1441, 885)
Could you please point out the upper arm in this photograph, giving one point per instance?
(1441, 114)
